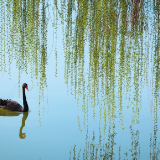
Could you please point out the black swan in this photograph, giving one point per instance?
(13, 105)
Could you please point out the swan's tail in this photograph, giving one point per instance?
(2, 102)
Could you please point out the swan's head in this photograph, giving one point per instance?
(25, 85)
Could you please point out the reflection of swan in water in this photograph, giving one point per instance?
(4, 112)
(8, 113)
(23, 135)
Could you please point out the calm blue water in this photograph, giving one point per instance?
(53, 131)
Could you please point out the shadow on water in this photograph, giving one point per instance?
(8, 113)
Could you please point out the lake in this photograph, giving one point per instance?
(95, 111)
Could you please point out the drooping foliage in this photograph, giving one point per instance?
(23, 35)
(122, 41)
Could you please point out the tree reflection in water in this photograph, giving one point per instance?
(108, 150)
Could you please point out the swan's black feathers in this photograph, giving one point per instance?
(10, 105)
(13, 105)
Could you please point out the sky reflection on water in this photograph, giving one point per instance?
(53, 130)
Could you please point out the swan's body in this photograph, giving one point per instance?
(13, 105)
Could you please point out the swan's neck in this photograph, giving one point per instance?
(25, 105)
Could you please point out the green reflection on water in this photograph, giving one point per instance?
(8, 113)
(106, 150)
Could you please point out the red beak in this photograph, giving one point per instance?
(27, 88)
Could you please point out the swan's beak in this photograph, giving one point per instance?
(27, 88)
